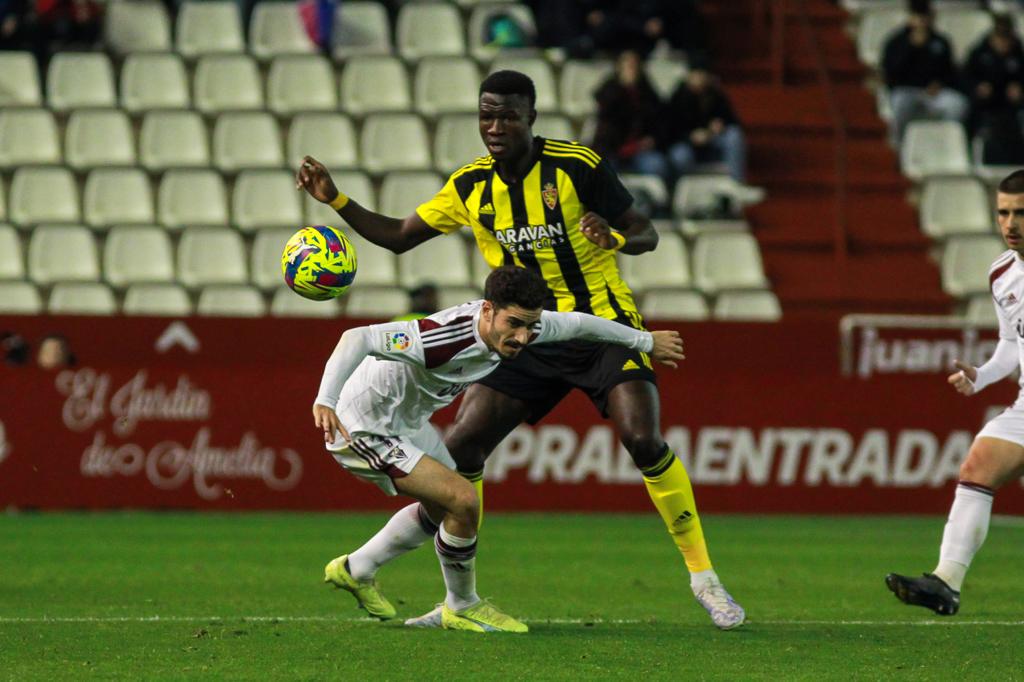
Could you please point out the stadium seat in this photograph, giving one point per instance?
(154, 81)
(301, 83)
(553, 127)
(981, 310)
(665, 75)
(173, 139)
(209, 26)
(955, 206)
(374, 84)
(394, 142)
(231, 300)
(674, 304)
(441, 261)
(446, 85)
(136, 26)
(482, 13)
(457, 142)
(964, 28)
(697, 194)
(165, 300)
(355, 184)
(62, 253)
(426, 29)
(118, 196)
(43, 195)
(580, 80)
(448, 297)
(81, 298)
(934, 148)
(965, 263)
(208, 255)
(265, 198)
(3, 201)
(728, 260)
(539, 70)
(28, 136)
(76, 80)
(138, 255)
(227, 83)
(668, 266)
(246, 140)
(12, 263)
(371, 303)
(361, 28)
(747, 306)
(192, 197)
(99, 138)
(477, 265)
(265, 266)
(875, 28)
(328, 137)
(403, 191)
(19, 80)
(377, 265)
(19, 298)
(276, 29)
(649, 188)
(287, 303)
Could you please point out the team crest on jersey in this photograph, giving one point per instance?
(398, 341)
(550, 194)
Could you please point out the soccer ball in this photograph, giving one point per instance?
(319, 262)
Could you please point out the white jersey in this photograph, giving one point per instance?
(1006, 280)
(411, 369)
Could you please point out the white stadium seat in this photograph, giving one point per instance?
(301, 83)
(377, 265)
(361, 28)
(698, 193)
(173, 139)
(981, 310)
(403, 191)
(426, 29)
(137, 255)
(457, 142)
(247, 140)
(651, 185)
(62, 253)
(287, 303)
(154, 81)
(449, 297)
(137, 26)
(231, 300)
(76, 80)
(3, 201)
(20, 298)
(165, 300)
(265, 198)
(19, 80)
(728, 260)
(965, 263)
(553, 127)
(665, 75)
(934, 148)
(540, 71)
(374, 84)
(964, 28)
(118, 196)
(374, 303)
(955, 206)
(43, 195)
(668, 266)
(99, 138)
(876, 26)
(446, 85)
(211, 256)
(674, 304)
(190, 198)
(394, 142)
(227, 83)
(328, 137)
(483, 13)
(692, 229)
(12, 262)
(267, 249)
(355, 184)
(28, 136)
(748, 306)
(580, 80)
(442, 261)
(81, 298)
(276, 28)
(209, 26)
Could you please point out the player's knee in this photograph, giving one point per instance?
(977, 467)
(465, 505)
(644, 448)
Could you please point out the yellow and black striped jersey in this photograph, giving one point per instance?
(533, 222)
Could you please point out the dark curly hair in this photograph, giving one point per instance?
(509, 285)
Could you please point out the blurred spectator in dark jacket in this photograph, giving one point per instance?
(702, 126)
(18, 30)
(629, 120)
(919, 71)
(995, 74)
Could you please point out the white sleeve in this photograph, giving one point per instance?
(568, 326)
(1004, 360)
(1006, 330)
(396, 341)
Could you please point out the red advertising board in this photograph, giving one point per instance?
(215, 414)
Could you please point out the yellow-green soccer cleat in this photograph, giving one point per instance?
(366, 592)
(481, 617)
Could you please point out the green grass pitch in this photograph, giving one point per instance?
(239, 596)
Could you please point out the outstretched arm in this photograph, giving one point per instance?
(393, 234)
(665, 347)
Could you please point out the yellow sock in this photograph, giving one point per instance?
(477, 479)
(670, 490)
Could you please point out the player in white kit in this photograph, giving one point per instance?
(381, 386)
(997, 454)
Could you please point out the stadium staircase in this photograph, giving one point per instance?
(836, 231)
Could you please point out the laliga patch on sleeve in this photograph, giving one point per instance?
(397, 341)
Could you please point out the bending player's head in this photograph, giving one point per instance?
(1010, 210)
(513, 300)
(507, 113)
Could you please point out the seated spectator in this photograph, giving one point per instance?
(995, 75)
(422, 302)
(629, 114)
(702, 126)
(918, 68)
(55, 352)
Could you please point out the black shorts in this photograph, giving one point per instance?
(542, 375)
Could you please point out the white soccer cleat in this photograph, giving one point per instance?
(725, 613)
(430, 619)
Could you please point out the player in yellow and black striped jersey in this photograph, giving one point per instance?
(557, 208)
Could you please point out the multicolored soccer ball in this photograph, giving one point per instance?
(319, 262)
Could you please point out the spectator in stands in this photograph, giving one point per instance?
(422, 302)
(70, 23)
(18, 29)
(995, 73)
(13, 348)
(54, 353)
(629, 115)
(919, 71)
(702, 126)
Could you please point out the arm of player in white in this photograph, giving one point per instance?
(1004, 360)
(567, 326)
(395, 341)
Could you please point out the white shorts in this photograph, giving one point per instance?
(1008, 425)
(381, 459)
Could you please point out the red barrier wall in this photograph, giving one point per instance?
(215, 414)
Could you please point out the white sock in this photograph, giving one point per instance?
(965, 532)
(701, 578)
(409, 528)
(458, 564)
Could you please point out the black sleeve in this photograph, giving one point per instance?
(602, 192)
